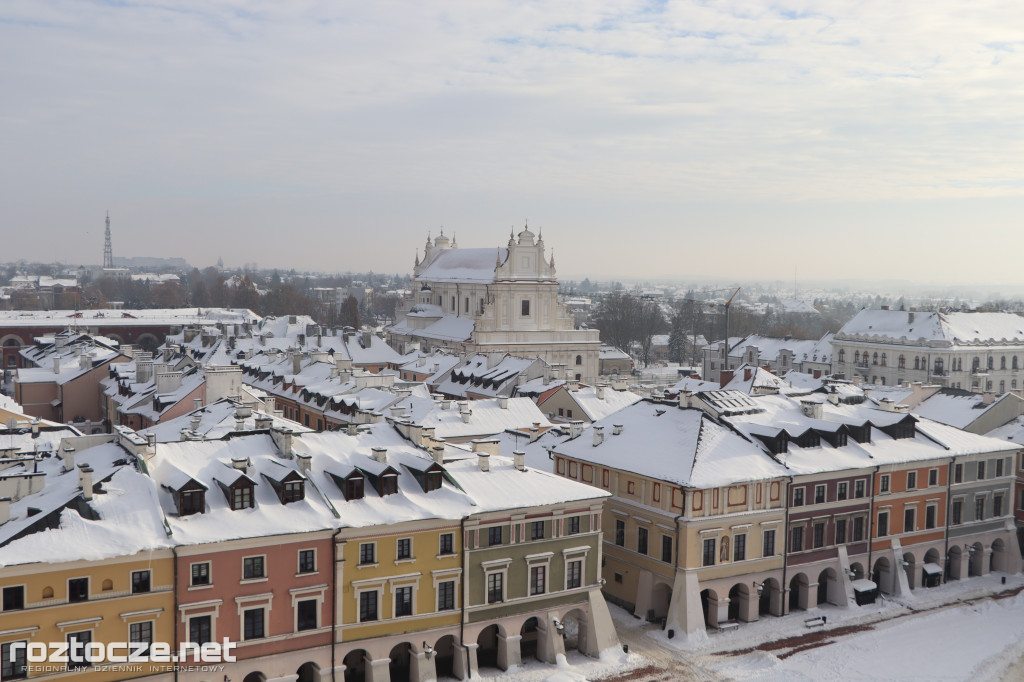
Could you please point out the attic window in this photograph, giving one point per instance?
(354, 488)
(191, 502)
(293, 491)
(241, 496)
(433, 480)
(388, 484)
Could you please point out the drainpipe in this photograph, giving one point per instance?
(871, 524)
(785, 549)
(174, 622)
(465, 593)
(949, 515)
(334, 602)
(675, 567)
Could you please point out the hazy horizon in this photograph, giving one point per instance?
(839, 140)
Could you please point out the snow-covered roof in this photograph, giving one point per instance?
(447, 328)
(481, 376)
(216, 420)
(599, 408)
(612, 353)
(488, 416)
(948, 328)
(475, 266)
(955, 407)
(121, 318)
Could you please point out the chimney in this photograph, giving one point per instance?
(616, 429)
(5, 510)
(143, 371)
(724, 377)
(576, 428)
(380, 455)
(367, 338)
(283, 438)
(195, 420)
(484, 460)
(446, 404)
(867, 392)
(812, 409)
(85, 480)
(84, 361)
(466, 414)
(351, 429)
(816, 374)
(183, 433)
(534, 433)
(437, 453)
(69, 457)
(35, 427)
(243, 412)
(988, 397)
(239, 424)
(519, 459)
(503, 402)
(599, 391)
(598, 435)
(887, 404)
(746, 373)
(296, 363)
(685, 399)
(56, 365)
(263, 421)
(269, 404)
(197, 403)
(239, 463)
(304, 462)
(398, 412)
(833, 398)
(490, 446)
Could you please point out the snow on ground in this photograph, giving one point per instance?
(971, 642)
(573, 667)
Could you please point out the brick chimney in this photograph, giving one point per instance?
(724, 377)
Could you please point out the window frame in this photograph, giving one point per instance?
(253, 561)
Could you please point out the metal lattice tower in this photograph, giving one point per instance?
(108, 250)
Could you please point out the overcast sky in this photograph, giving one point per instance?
(735, 139)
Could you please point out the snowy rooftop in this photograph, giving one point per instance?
(487, 418)
(463, 265)
(100, 318)
(447, 328)
(951, 328)
(955, 407)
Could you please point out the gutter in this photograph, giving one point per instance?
(785, 549)
(465, 592)
(949, 514)
(871, 522)
(334, 601)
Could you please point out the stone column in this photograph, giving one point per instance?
(811, 600)
(549, 640)
(421, 668)
(509, 653)
(472, 667)
(378, 670)
(460, 661)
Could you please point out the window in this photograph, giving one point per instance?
(842, 355)
(929, 516)
(293, 490)
(858, 489)
(981, 471)
(666, 548)
(354, 488)
(933, 477)
(911, 480)
(453, 304)
(769, 543)
(883, 359)
(579, 359)
(526, 307)
(241, 497)
(819, 494)
(388, 484)
(538, 579)
(979, 508)
(902, 362)
(78, 589)
(307, 561)
(883, 485)
(200, 629)
(466, 305)
(883, 524)
(537, 530)
(141, 633)
(620, 532)
(797, 544)
(840, 531)
(874, 358)
(858, 529)
(999, 467)
(908, 520)
(991, 362)
(957, 513)
(841, 491)
(201, 573)
(739, 547)
(403, 601)
(14, 665)
(305, 615)
(997, 505)
(445, 544)
(574, 525)
(798, 497)
(77, 642)
(495, 588)
(494, 536)
(252, 567)
(574, 575)
(367, 606)
(191, 502)
(958, 473)
(252, 620)
(433, 480)
(140, 582)
(404, 549)
(709, 552)
(446, 595)
(819, 535)
(367, 553)
(14, 598)
(641, 540)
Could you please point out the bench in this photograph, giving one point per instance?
(728, 625)
(818, 622)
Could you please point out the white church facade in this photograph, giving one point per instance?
(493, 301)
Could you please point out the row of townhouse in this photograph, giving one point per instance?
(319, 556)
(727, 507)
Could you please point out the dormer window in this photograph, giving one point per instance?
(433, 480)
(293, 491)
(191, 502)
(354, 488)
(388, 484)
(241, 495)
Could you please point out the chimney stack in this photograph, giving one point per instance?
(466, 413)
(484, 460)
(599, 391)
(616, 429)
(724, 377)
(69, 457)
(304, 462)
(296, 363)
(437, 453)
(239, 463)
(576, 428)
(85, 480)
(503, 402)
(598, 435)
(197, 403)
(56, 365)
(5, 510)
(263, 421)
(519, 458)
(380, 455)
